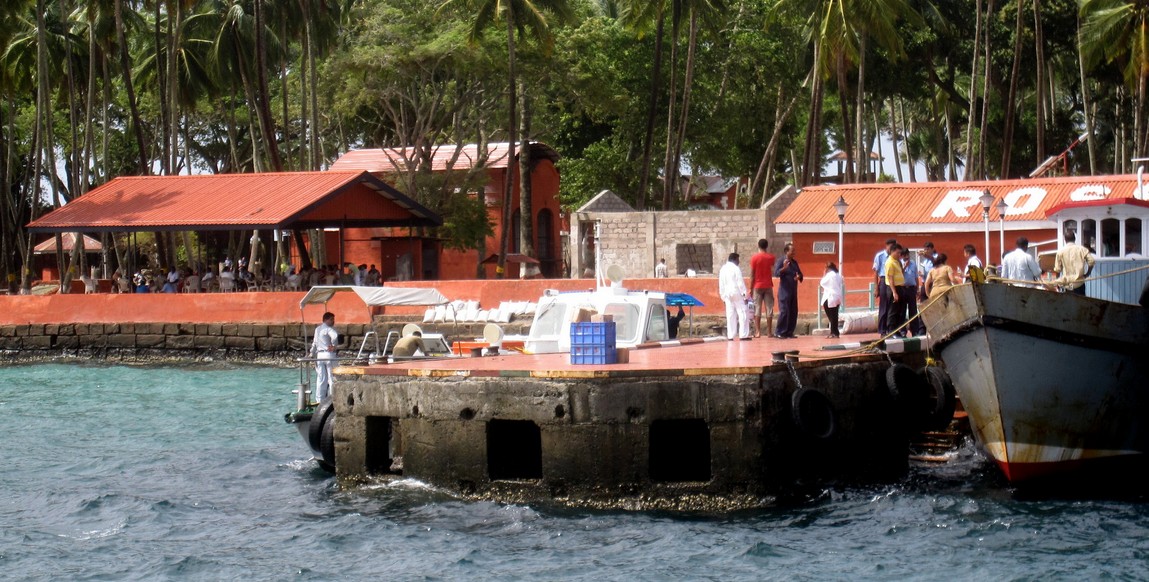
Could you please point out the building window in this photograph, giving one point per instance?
(1133, 235)
(698, 257)
(1110, 238)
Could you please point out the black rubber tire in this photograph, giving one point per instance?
(813, 413)
(904, 384)
(327, 443)
(318, 419)
(942, 398)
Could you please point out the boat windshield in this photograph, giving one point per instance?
(656, 325)
(625, 321)
(549, 321)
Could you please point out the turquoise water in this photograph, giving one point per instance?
(166, 473)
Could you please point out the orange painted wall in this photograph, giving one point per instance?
(283, 307)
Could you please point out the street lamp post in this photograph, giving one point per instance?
(986, 202)
(840, 207)
(1001, 207)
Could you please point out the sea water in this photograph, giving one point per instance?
(190, 473)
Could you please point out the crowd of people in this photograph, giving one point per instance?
(229, 276)
(903, 279)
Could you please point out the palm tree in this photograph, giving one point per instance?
(523, 16)
(1113, 32)
(839, 32)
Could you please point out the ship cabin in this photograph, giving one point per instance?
(1114, 229)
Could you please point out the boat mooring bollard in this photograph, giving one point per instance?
(777, 357)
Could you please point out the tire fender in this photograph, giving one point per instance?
(813, 413)
(327, 443)
(318, 419)
(943, 398)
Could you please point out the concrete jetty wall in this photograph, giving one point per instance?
(700, 438)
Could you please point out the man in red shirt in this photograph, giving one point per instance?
(762, 286)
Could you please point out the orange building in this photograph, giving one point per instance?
(401, 254)
(949, 214)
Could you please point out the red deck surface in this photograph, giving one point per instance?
(715, 357)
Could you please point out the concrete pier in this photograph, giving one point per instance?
(649, 433)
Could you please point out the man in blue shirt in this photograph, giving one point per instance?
(880, 284)
(910, 266)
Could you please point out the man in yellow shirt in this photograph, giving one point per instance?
(896, 292)
(1073, 264)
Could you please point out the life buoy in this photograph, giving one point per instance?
(942, 398)
(318, 419)
(813, 413)
(327, 444)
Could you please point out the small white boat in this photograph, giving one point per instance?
(316, 421)
(639, 317)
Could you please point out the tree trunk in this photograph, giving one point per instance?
(526, 212)
(126, 66)
(669, 172)
(1011, 101)
(860, 150)
(687, 85)
(652, 104)
(847, 130)
(969, 156)
(982, 170)
(894, 139)
(509, 179)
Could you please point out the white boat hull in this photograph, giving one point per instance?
(1053, 383)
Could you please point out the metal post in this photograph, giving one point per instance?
(986, 202)
(1001, 207)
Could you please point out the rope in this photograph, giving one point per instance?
(873, 346)
(1050, 285)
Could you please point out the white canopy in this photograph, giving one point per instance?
(374, 296)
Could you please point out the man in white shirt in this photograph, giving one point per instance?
(732, 290)
(1019, 265)
(323, 345)
(660, 269)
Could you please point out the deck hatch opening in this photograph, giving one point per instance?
(514, 450)
(380, 444)
(679, 450)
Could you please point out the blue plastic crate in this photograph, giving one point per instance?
(594, 355)
(593, 334)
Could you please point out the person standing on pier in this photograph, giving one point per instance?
(732, 290)
(762, 286)
(789, 274)
(323, 346)
(895, 293)
(880, 283)
(832, 285)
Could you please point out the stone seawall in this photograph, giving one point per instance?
(115, 341)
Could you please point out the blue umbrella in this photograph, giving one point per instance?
(684, 300)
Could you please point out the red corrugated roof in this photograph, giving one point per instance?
(391, 160)
(948, 203)
(91, 245)
(237, 201)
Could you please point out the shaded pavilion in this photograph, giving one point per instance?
(238, 202)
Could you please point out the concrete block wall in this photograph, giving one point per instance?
(637, 240)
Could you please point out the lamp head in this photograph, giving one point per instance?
(840, 207)
(986, 200)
